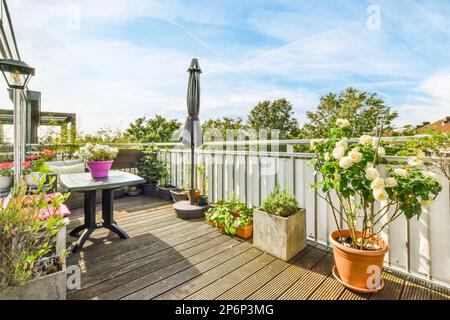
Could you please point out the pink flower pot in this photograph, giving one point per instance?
(99, 169)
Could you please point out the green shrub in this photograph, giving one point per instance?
(150, 168)
(280, 203)
(231, 214)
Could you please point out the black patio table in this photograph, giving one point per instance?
(84, 183)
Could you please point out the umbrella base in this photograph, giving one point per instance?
(184, 210)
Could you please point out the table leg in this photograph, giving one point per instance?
(80, 243)
(75, 232)
(107, 214)
(89, 220)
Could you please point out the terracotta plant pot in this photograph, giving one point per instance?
(358, 270)
(197, 193)
(178, 195)
(243, 233)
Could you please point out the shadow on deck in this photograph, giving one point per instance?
(169, 258)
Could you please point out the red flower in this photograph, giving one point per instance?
(48, 153)
(6, 166)
(34, 157)
(26, 164)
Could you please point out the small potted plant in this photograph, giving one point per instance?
(164, 187)
(150, 168)
(178, 194)
(187, 186)
(133, 191)
(6, 175)
(279, 225)
(181, 193)
(34, 168)
(33, 246)
(118, 193)
(349, 172)
(203, 198)
(233, 216)
(99, 158)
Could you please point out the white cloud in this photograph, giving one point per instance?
(431, 100)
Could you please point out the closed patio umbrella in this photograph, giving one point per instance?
(192, 133)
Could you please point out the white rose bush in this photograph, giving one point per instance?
(97, 152)
(350, 171)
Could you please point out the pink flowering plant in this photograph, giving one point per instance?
(29, 225)
(6, 169)
(351, 184)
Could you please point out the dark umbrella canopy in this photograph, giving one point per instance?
(192, 133)
(192, 127)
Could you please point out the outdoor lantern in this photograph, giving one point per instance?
(16, 73)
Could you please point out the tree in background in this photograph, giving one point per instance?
(224, 124)
(364, 111)
(274, 115)
(157, 129)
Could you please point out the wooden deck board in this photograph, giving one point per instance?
(169, 258)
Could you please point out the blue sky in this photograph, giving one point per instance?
(112, 61)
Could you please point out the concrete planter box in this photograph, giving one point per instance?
(49, 287)
(281, 237)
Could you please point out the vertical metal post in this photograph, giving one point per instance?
(18, 139)
(192, 162)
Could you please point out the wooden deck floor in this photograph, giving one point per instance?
(169, 258)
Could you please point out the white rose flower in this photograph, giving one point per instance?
(399, 172)
(391, 182)
(380, 194)
(327, 156)
(342, 123)
(381, 152)
(355, 155)
(342, 143)
(378, 183)
(365, 139)
(372, 173)
(429, 174)
(345, 162)
(315, 142)
(415, 162)
(338, 153)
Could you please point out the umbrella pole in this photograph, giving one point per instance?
(18, 147)
(192, 162)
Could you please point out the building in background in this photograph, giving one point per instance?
(442, 125)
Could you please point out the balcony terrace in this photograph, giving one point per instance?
(170, 258)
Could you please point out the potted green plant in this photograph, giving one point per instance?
(34, 169)
(32, 243)
(119, 193)
(280, 225)
(133, 191)
(181, 193)
(150, 168)
(99, 158)
(164, 186)
(350, 173)
(233, 216)
(6, 175)
(203, 198)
